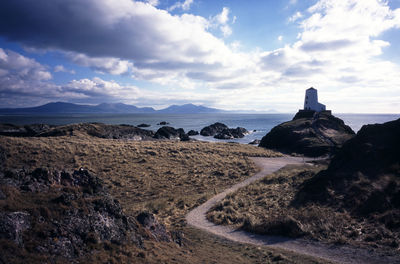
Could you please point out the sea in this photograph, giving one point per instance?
(257, 124)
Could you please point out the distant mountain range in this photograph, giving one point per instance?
(105, 108)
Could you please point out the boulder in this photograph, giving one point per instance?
(163, 123)
(213, 129)
(13, 224)
(144, 125)
(151, 224)
(255, 142)
(167, 132)
(309, 133)
(231, 133)
(193, 133)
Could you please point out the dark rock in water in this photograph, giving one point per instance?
(231, 133)
(157, 230)
(167, 132)
(363, 177)
(213, 129)
(193, 133)
(310, 133)
(144, 125)
(163, 123)
(255, 142)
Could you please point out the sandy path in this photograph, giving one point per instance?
(340, 254)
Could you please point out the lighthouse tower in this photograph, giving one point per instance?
(311, 101)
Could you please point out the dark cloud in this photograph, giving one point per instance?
(328, 45)
(300, 71)
(349, 79)
(122, 29)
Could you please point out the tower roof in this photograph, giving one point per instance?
(311, 88)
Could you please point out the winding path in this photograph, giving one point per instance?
(335, 253)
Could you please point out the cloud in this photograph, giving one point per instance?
(61, 68)
(221, 21)
(337, 50)
(104, 65)
(280, 38)
(326, 45)
(185, 5)
(153, 2)
(296, 16)
(17, 66)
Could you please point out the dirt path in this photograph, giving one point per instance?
(340, 254)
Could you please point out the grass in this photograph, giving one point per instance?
(265, 207)
(164, 177)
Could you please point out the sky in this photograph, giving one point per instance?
(227, 54)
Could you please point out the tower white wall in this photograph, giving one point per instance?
(311, 101)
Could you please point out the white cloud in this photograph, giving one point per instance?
(185, 5)
(280, 38)
(221, 21)
(109, 65)
(21, 67)
(153, 2)
(61, 68)
(296, 16)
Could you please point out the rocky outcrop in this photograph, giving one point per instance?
(193, 133)
(363, 177)
(93, 129)
(58, 216)
(213, 129)
(167, 132)
(309, 133)
(23, 131)
(231, 133)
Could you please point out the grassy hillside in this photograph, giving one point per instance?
(164, 177)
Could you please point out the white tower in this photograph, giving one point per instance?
(311, 101)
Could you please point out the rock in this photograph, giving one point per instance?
(163, 123)
(364, 175)
(213, 129)
(144, 125)
(93, 129)
(83, 213)
(193, 133)
(119, 132)
(2, 195)
(231, 133)
(23, 131)
(13, 224)
(255, 142)
(156, 229)
(309, 133)
(167, 132)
